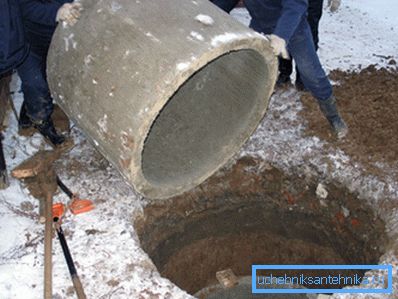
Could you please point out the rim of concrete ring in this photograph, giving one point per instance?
(250, 42)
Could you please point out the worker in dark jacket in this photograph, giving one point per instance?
(40, 18)
(284, 22)
(13, 47)
(315, 8)
(13, 50)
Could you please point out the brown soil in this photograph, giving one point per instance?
(368, 103)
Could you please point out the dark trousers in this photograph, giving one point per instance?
(302, 49)
(39, 103)
(313, 18)
(225, 5)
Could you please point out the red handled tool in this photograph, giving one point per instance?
(76, 205)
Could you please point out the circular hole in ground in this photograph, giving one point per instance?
(252, 213)
(207, 119)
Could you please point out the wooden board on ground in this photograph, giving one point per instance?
(4, 96)
(4, 101)
(39, 177)
(35, 165)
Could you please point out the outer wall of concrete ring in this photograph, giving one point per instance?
(70, 85)
(148, 184)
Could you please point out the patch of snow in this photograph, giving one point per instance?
(182, 66)
(103, 124)
(321, 191)
(69, 39)
(115, 6)
(88, 59)
(224, 38)
(197, 35)
(204, 19)
(153, 38)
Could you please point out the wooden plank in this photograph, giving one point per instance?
(4, 98)
(48, 251)
(36, 164)
(3, 167)
(28, 169)
(4, 94)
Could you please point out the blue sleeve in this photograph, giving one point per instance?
(292, 13)
(225, 5)
(13, 48)
(40, 12)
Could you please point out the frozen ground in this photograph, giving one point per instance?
(103, 242)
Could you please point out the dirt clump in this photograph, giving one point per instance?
(367, 101)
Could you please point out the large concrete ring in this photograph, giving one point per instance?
(168, 90)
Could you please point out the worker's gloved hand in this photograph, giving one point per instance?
(278, 46)
(69, 13)
(334, 5)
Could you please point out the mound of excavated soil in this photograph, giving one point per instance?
(368, 102)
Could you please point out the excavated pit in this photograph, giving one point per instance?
(252, 213)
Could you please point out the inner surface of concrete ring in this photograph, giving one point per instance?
(206, 119)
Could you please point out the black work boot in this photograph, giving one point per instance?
(24, 121)
(47, 129)
(299, 84)
(329, 109)
(283, 80)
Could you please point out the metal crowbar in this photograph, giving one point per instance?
(68, 257)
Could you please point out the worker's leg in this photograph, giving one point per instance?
(314, 16)
(285, 70)
(37, 98)
(315, 8)
(302, 49)
(226, 5)
(314, 77)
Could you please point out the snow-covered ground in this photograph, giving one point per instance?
(103, 242)
(362, 32)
